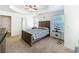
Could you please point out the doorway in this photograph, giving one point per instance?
(5, 22)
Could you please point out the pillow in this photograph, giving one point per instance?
(45, 28)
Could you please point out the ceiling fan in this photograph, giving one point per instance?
(32, 7)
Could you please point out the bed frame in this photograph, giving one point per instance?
(27, 37)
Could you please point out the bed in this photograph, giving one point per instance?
(33, 35)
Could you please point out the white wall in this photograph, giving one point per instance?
(29, 21)
(16, 25)
(35, 21)
(24, 24)
(71, 36)
(0, 22)
(48, 15)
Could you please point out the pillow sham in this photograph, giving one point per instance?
(45, 28)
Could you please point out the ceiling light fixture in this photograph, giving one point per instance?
(31, 8)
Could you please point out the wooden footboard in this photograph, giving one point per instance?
(27, 37)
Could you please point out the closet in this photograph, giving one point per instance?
(5, 22)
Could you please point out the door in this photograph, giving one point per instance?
(6, 23)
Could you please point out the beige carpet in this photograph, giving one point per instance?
(47, 45)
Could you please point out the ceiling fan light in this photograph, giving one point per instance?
(31, 8)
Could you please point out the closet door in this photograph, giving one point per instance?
(6, 23)
(0, 21)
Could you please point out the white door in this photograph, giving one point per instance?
(0, 22)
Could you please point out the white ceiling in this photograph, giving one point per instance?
(21, 8)
(40, 7)
(5, 8)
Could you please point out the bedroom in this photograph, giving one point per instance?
(40, 19)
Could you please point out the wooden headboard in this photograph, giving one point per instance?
(44, 24)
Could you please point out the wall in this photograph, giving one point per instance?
(21, 22)
(24, 20)
(15, 25)
(29, 21)
(0, 22)
(71, 36)
(48, 15)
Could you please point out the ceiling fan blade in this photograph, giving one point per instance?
(26, 7)
(34, 6)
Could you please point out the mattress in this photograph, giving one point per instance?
(38, 32)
